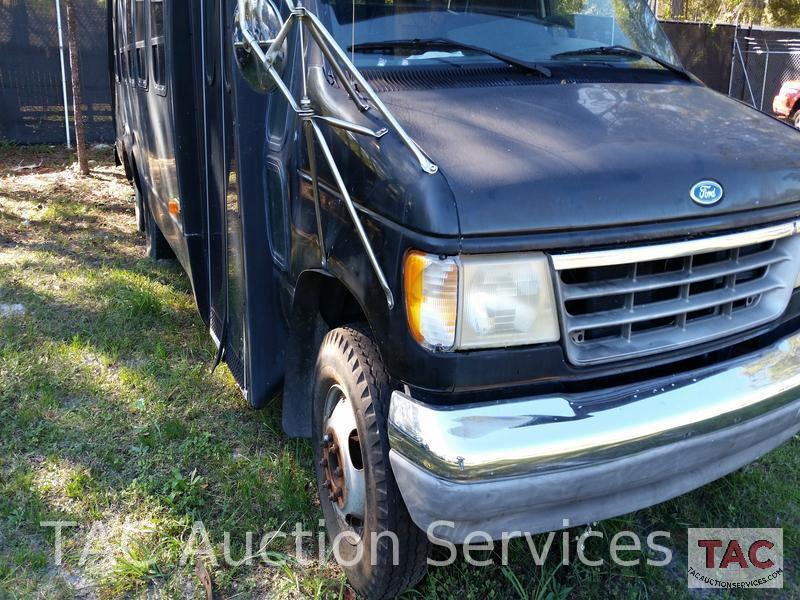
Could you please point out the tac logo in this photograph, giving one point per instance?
(735, 558)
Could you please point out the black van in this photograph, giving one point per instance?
(507, 261)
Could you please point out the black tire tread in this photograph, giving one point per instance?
(387, 581)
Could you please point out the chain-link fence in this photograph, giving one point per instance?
(763, 60)
(704, 49)
(31, 93)
(749, 64)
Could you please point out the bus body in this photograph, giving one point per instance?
(508, 263)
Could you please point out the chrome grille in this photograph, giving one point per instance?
(638, 301)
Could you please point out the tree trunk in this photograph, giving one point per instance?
(77, 101)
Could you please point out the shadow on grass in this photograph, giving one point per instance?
(116, 393)
(108, 373)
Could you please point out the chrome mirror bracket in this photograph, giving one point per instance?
(270, 53)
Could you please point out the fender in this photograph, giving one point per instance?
(309, 321)
(306, 330)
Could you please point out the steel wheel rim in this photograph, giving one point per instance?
(342, 460)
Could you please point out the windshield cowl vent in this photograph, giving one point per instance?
(397, 79)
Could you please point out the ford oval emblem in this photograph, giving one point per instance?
(706, 193)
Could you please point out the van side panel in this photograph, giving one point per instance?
(155, 123)
(192, 137)
(184, 69)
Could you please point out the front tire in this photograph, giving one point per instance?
(358, 493)
(796, 119)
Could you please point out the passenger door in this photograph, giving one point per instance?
(245, 302)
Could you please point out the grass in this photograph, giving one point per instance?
(110, 418)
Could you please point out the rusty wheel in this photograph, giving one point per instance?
(342, 461)
(375, 540)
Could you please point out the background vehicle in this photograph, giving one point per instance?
(506, 260)
(787, 102)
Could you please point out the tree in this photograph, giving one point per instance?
(77, 101)
(771, 13)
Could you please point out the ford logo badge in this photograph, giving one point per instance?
(706, 193)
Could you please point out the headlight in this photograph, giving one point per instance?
(480, 301)
(507, 300)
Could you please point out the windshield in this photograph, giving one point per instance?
(534, 31)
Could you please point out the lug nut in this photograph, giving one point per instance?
(327, 439)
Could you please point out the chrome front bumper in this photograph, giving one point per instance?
(530, 464)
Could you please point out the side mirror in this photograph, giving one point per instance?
(262, 20)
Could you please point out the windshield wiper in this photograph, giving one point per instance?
(447, 44)
(618, 50)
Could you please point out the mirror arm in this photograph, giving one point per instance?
(312, 165)
(427, 165)
(326, 152)
(352, 127)
(332, 52)
(343, 79)
(275, 44)
(285, 91)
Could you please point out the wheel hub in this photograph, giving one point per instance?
(341, 461)
(332, 465)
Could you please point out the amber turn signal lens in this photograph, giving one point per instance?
(431, 294)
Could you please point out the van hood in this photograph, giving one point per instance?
(564, 155)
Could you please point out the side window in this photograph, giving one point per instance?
(115, 25)
(211, 17)
(158, 46)
(141, 49)
(128, 41)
